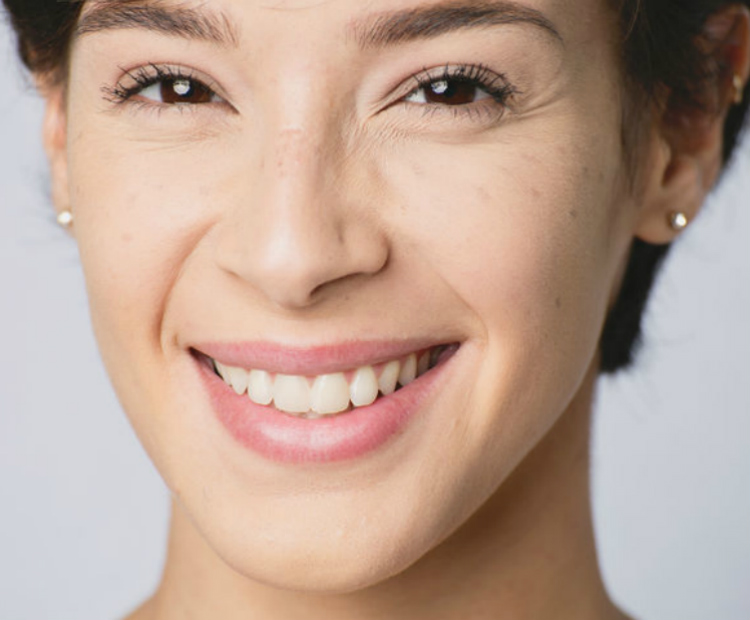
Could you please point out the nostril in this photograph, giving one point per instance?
(302, 235)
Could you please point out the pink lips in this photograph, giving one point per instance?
(286, 438)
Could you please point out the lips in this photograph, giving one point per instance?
(318, 404)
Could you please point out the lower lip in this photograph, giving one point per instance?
(285, 438)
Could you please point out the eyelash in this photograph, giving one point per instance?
(146, 76)
(496, 85)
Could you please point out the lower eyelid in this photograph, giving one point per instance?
(485, 111)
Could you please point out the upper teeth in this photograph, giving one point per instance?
(326, 394)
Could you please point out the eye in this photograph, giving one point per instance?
(448, 92)
(460, 86)
(176, 90)
(162, 85)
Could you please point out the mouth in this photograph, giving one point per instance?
(324, 404)
(333, 393)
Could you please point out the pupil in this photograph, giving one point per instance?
(452, 92)
(185, 91)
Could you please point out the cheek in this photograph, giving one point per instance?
(512, 234)
(530, 243)
(140, 213)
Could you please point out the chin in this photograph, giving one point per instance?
(332, 564)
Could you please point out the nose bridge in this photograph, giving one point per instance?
(304, 224)
(297, 168)
(297, 227)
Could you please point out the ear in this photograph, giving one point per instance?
(685, 145)
(55, 138)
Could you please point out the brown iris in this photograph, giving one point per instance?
(451, 92)
(182, 90)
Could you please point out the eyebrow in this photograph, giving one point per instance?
(184, 22)
(429, 21)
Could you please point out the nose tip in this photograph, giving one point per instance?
(295, 263)
(293, 246)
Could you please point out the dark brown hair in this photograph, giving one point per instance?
(659, 48)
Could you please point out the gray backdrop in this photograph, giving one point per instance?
(83, 514)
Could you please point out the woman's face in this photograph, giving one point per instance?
(304, 188)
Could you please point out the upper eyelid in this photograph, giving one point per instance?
(161, 72)
(156, 71)
(478, 73)
(491, 81)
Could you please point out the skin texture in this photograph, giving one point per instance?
(313, 205)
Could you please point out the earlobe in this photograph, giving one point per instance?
(687, 138)
(54, 133)
(684, 163)
(674, 200)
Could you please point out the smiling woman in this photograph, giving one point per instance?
(354, 269)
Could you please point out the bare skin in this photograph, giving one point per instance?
(309, 177)
(527, 553)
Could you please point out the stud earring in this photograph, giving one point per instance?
(738, 89)
(65, 218)
(678, 221)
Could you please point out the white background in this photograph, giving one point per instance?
(83, 514)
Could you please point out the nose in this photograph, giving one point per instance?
(299, 225)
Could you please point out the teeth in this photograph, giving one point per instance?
(330, 394)
(408, 370)
(238, 379)
(222, 370)
(389, 377)
(424, 363)
(364, 387)
(291, 394)
(326, 394)
(260, 387)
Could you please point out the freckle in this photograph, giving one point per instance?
(573, 214)
(482, 193)
(558, 303)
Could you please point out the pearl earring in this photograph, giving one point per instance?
(738, 89)
(678, 221)
(65, 218)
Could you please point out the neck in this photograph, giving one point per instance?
(527, 553)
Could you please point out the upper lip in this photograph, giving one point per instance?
(311, 360)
